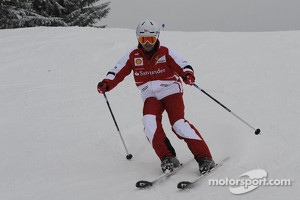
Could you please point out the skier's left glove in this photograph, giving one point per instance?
(188, 78)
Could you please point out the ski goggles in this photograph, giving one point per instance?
(144, 39)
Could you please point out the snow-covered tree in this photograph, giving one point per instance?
(73, 12)
(15, 14)
(29, 13)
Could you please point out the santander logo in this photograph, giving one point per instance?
(144, 73)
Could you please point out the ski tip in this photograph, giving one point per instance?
(143, 184)
(183, 184)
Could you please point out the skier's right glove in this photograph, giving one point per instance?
(102, 87)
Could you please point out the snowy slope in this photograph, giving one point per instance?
(58, 140)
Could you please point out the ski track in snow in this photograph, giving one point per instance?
(58, 140)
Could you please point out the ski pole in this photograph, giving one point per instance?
(128, 156)
(257, 131)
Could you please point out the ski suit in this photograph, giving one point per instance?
(157, 76)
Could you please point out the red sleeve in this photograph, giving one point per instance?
(178, 63)
(119, 72)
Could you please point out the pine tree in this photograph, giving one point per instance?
(73, 12)
(29, 13)
(86, 15)
(17, 14)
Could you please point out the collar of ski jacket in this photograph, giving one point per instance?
(150, 54)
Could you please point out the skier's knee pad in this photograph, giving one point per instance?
(183, 129)
(150, 126)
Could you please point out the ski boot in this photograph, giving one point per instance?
(205, 164)
(168, 164)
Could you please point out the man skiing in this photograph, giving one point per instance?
(157, 71)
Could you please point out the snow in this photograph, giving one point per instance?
(58, 140)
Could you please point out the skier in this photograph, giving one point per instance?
(157, 70)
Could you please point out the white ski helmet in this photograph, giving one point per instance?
(147, 28)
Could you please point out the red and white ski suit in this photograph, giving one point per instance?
(158, 78)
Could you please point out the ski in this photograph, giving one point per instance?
(145, 184)
(189, 184)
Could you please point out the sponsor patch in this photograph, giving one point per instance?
(146, 73)
(161, 59)
(138, 62)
